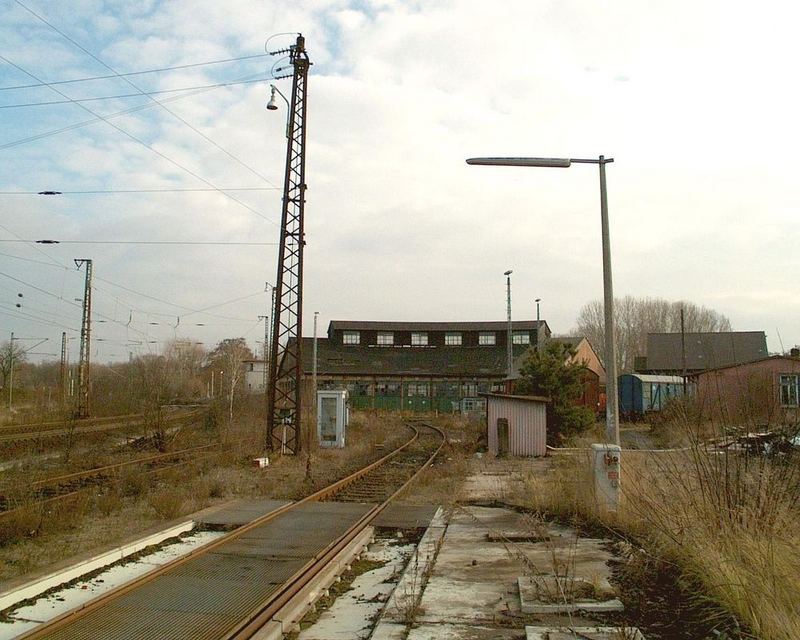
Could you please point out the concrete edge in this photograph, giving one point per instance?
(409, 588)
(290, 615)
(41, 584)
(542, 633)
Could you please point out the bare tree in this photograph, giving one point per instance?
(229, 356)
(636, 317)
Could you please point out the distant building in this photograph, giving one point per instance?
(418, 366)
(765, 391)
(665, 351)
(254, 377)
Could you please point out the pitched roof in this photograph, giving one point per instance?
(704, 350)
(365, 325)
(337, 359)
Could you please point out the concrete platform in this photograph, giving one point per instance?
(206, 596)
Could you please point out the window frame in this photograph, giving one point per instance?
(789, 390)
(453, 338)
(385, 338)
(524, 337)
(483, 336)
(419, 338)
(351, 337)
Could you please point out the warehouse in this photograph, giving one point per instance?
(418, 366)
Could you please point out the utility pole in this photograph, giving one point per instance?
(284, 404)
(63, 377)
(314, 361)
(683, 350)
(82, 410)
(11, 370)
(509, 342)
(265, 352)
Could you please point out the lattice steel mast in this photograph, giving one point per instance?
(284, 404)
(82, 408)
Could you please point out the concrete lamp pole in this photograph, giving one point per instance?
(612, 401)
(509, 342)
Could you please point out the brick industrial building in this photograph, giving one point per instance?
(419, 366)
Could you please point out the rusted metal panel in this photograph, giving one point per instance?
(527, 425)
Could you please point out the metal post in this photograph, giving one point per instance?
(509, 342)
(612, 399)
(82, 410)
(314, 361)
(538, 328)
(683, 350)
(11, 370)
(63, 377)
(266, 350)
(284, 421)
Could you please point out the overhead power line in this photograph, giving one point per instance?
(139, 89)
(85, 123)
(154, 242)
(113, 191)
(130, 95)
(144, 144)
(135, 73)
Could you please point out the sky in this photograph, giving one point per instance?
(695, 101)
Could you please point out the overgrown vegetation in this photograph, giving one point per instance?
(553, 372)
(724, 520)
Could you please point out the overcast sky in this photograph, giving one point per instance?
(696, 102)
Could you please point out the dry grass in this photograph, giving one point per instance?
(727, 520)
(37, 537)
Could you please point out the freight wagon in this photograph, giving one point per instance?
(640, 394)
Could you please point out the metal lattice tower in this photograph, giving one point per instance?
(82, 408)
(284, 410)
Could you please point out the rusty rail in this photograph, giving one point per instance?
(258, 618)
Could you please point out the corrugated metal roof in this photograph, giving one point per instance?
(646, 377)
(365, 325)
(704, 350)
(337, 359)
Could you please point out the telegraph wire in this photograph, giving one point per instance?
(144, 144)
(135, 73)
(129, 95)
(132, 84)
(146, 242)
(94, 120)
(113, 191)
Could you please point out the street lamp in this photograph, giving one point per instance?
(612, 401)
(509, 354)
(272, 105)
(537, 301)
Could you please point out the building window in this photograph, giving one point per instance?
(385, 337)
(469, 389)
(452, 338)
(351, 337)
(387, 388)
(790, 390)
(521, 337)
(419, 339)
(417, 389)
(487, 338)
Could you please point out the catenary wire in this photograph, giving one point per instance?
(146, 242)
(114, 191)
(147, 146)
(85, 123)
(132, 84)
(136, 73)
(128, 95)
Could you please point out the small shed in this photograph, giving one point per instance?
(517, 425)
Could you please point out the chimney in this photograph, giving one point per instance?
(795, 352)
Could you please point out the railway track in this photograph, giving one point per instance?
(233, 587)
(65, 487)
(14, 433)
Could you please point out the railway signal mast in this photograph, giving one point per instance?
(284, 400)
(82, 409)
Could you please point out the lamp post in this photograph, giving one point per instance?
(314, 359)
(537, 301)
(612, 401)
(509, 342)
(272, 105)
